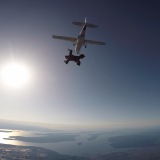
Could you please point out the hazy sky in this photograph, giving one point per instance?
(116, 83)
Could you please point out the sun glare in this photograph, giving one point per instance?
(15, 75)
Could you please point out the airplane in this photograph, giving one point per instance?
(80, 40)
(74, 58)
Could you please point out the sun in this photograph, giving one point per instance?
(15, 75)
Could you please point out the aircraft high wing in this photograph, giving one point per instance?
(80, 41)
(93, 42)
(71, 39)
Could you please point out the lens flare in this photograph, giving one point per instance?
(15, 75)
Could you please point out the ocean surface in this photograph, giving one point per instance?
(79, 144)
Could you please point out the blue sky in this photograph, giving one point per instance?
(116, 84)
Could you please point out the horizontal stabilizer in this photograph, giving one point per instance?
(87, 24)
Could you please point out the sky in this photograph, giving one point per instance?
(116, 84)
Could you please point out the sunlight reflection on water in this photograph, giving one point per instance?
(4, 134)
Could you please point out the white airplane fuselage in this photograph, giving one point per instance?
(80, 40)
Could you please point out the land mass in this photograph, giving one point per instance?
(151, 153)
(51, 138)
(12, 152)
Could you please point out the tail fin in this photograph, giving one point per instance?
(85, 23)
(85, 20)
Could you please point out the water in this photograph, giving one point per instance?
(84, 144)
